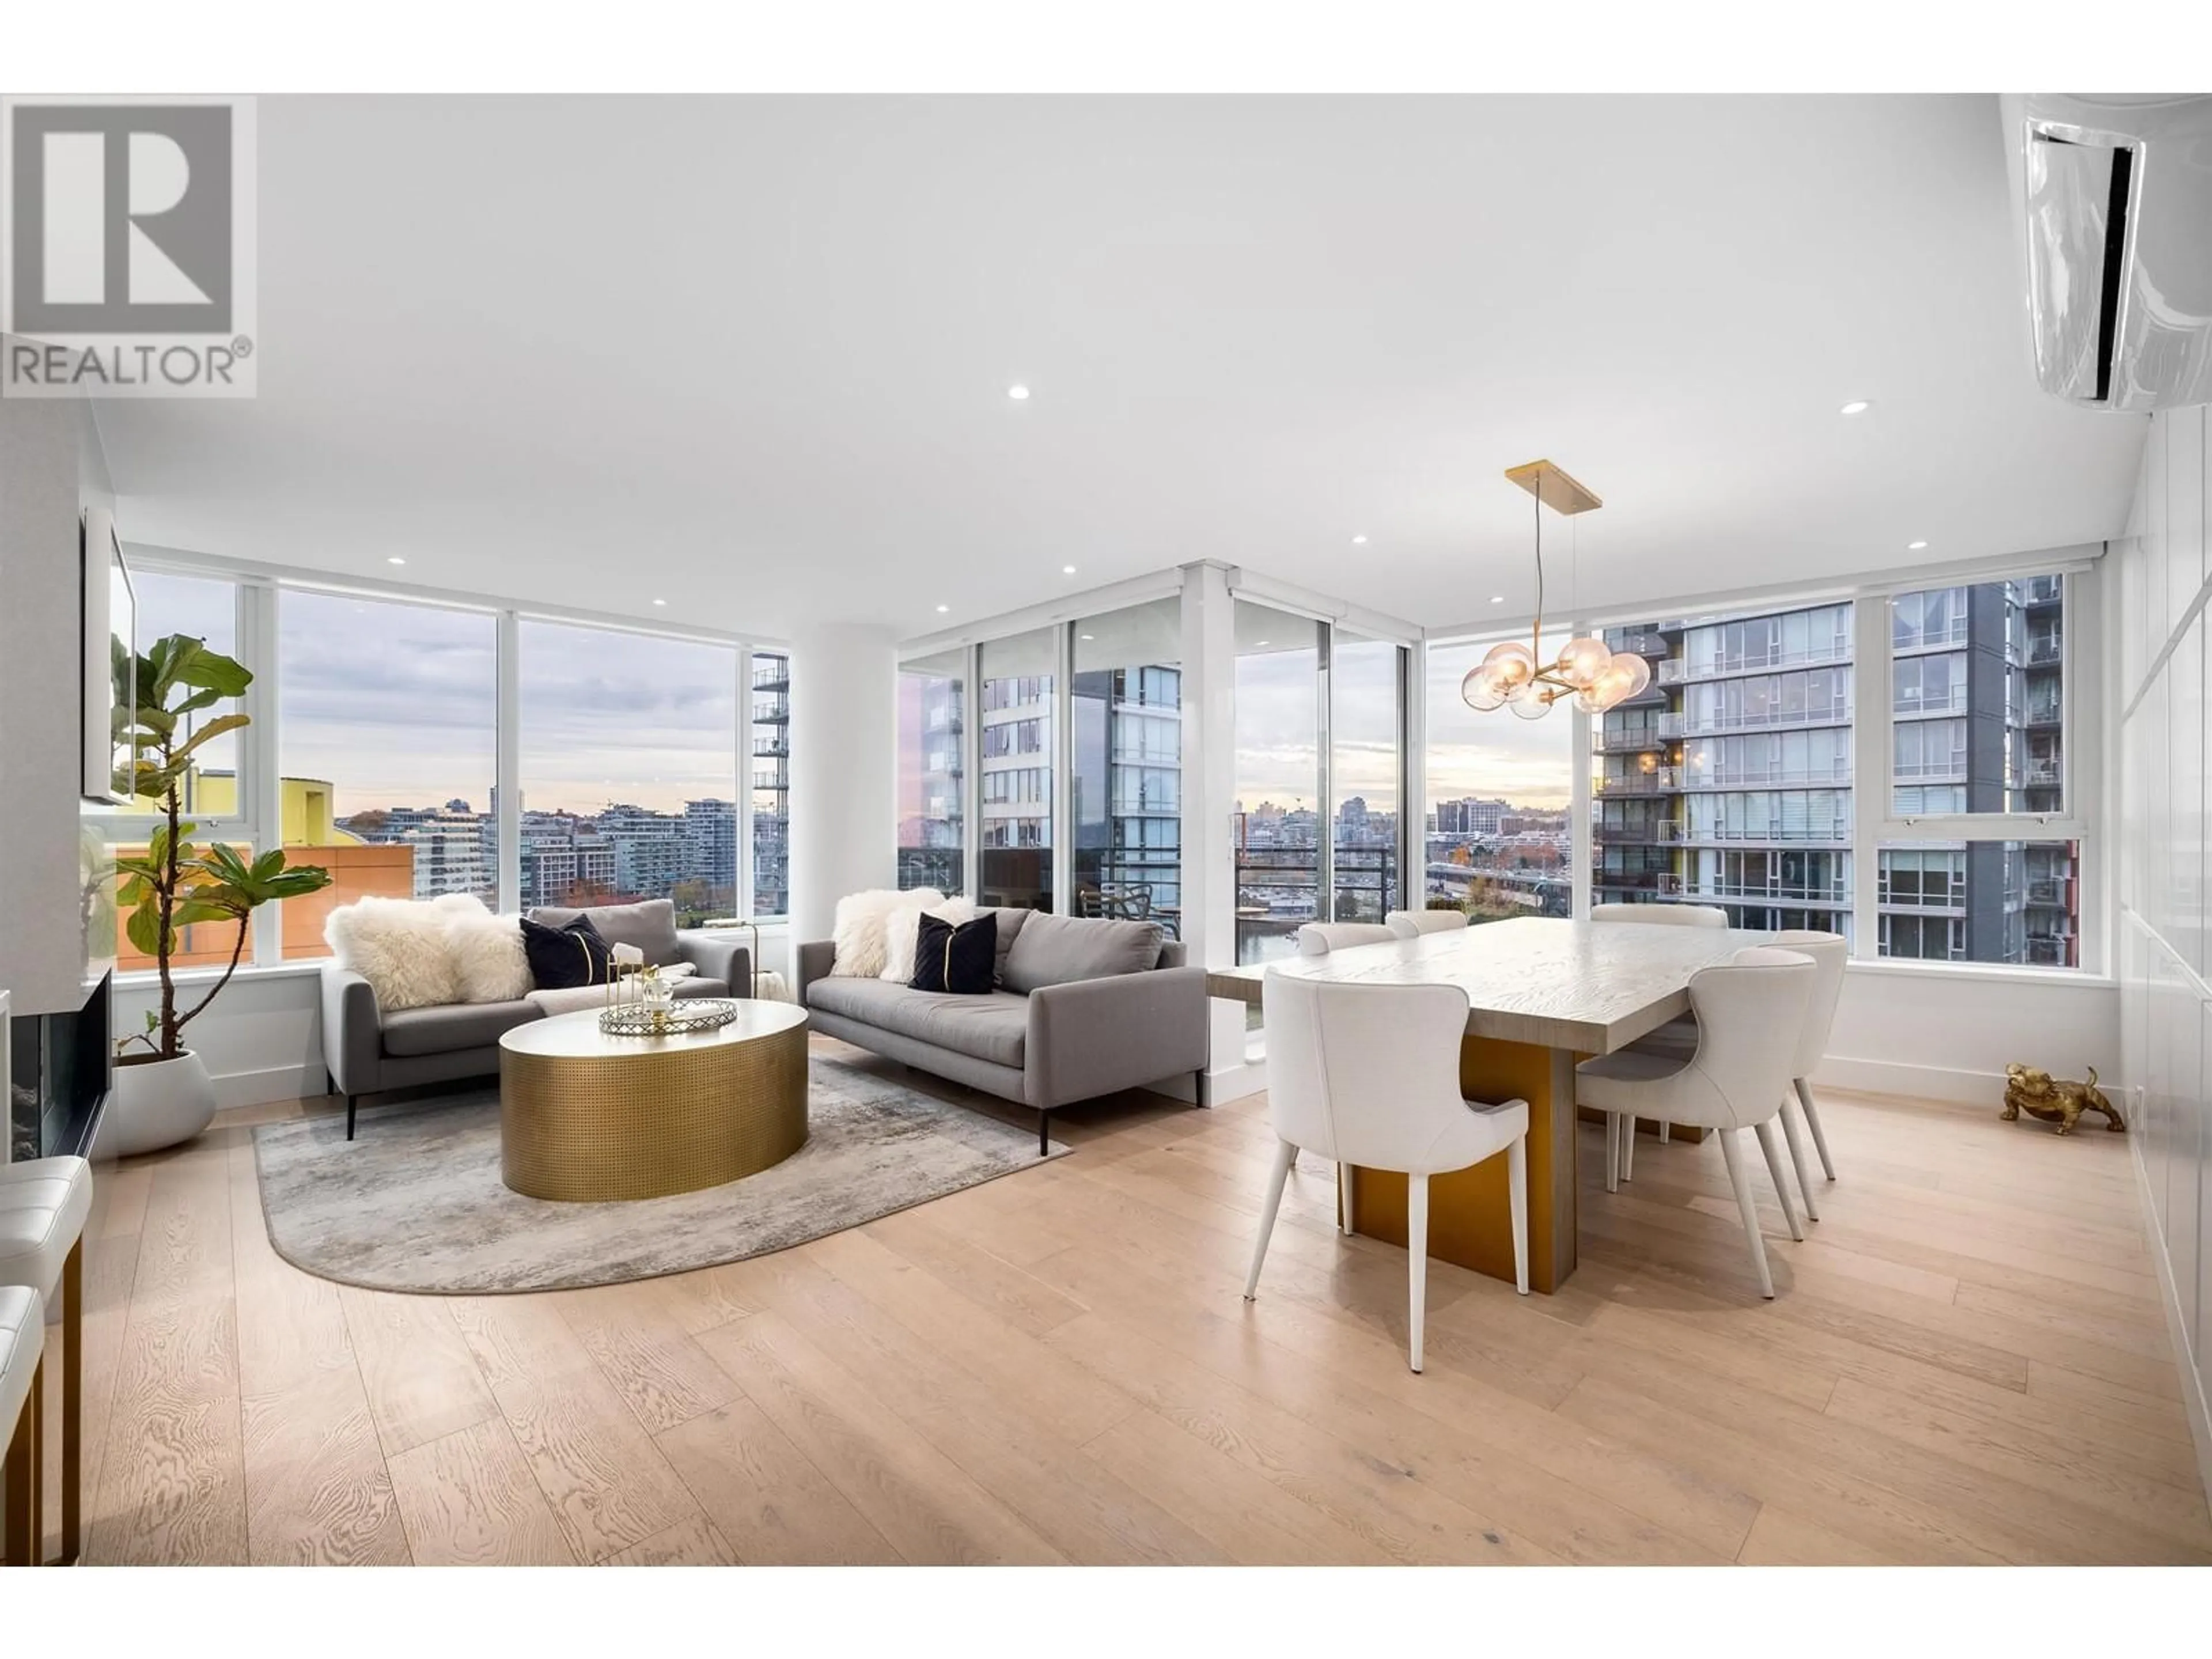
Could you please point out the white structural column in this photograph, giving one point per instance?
(1209, 800)
(844, 691)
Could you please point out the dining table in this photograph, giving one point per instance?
(1542, 994)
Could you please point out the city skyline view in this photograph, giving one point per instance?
(394, 704)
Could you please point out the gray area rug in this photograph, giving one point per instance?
(416, 1201)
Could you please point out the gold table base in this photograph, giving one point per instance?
(660, 1116)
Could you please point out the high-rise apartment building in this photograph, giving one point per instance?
(1126, 789)
(1471, 816)
(1730, 781)
(771, 785)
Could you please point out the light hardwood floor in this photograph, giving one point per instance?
(1966, 1362)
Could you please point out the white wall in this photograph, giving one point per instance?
(2166, 981)
(1927, 1031)
(844, 798)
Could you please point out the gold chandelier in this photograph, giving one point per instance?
(1518, 677)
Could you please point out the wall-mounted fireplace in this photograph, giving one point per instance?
(60, 1069)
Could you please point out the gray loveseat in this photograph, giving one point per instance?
(1082, 1008)
(368, 1051)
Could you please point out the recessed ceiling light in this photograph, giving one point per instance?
(660, 602)
(1914, 547)
(1263, 641)
(1087, 637)
(942, 609)
(1067, 571)
(1018, 393)
(1498, 598)
(1359, 541)
(1857, 406)
(395, 559)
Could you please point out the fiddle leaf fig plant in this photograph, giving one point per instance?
(176, 883)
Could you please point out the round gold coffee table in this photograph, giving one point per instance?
(586, 1116)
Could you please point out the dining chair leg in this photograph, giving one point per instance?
(1417, 1256)
(1812, 1123)
(1739, 1178)
(1773, 1154)
(1286, 1155)
(1612, 1151)
(1788, 1117)
(1517, 1188)
(1343, 1198)
(1628, 1145)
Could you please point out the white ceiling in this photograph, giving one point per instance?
(752, 355)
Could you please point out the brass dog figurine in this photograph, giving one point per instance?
(2040, 1095)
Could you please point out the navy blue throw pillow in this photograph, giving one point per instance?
(963, 959)
(566, 958)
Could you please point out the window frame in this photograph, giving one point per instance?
(260, 595)
(2083, 722)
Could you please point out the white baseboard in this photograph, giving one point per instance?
(2194, 1398)
(1891, 1077)
(1235, 1082)
(277, 1083)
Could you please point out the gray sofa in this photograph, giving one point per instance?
(368, 1051)
(1083, 1008)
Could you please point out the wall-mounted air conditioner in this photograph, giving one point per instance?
(2115, 191)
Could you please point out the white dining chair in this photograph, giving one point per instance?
(1369, 1075)
(1411, 924)
(1831, 953)
(1663, 915)
(1751, 1015)
(1318, 939)
(1677, 1037)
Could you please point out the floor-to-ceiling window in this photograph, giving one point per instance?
(1278, 840)
(932, 771)
(1126, 770)
(629, 786)
(1498, 839)
(1366, 767)
(1017, 726)
(388, 746)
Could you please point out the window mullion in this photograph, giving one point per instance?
(1872, 674)
(260, 771)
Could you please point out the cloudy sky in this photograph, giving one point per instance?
(394, 704)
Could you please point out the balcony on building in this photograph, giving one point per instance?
(2039, 592)
(1658, 780)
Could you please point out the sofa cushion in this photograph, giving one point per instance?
(1011, 918)
(398, 946)
(649, 924)
(1059, 950)
(860, 932)
(994, 1027)
(961, 957)
(443, 1030)
(563, 958)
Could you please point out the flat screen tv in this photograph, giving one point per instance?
(110, 656)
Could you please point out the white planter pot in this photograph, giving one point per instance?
(156, 1103)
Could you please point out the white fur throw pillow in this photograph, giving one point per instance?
(903, 926)
(398, 946)
(489, 961)
(858, 934)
